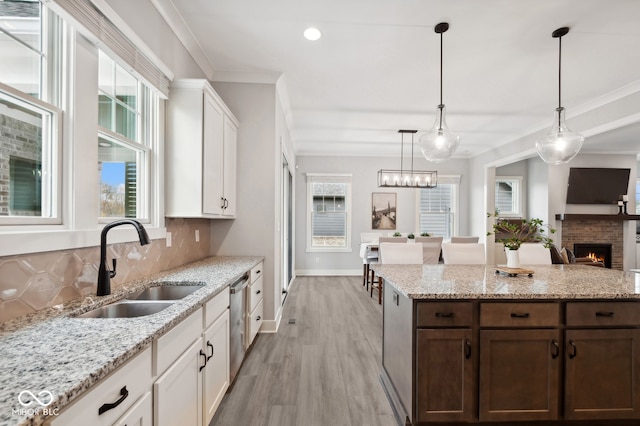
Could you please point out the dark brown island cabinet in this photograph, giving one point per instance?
(496, 350)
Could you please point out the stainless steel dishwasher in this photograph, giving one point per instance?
(237, 330)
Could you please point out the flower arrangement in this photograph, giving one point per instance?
(397, 234)
(411, 236)
(425, 234)
(513, 233)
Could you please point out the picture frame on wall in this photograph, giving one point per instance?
(383, 210)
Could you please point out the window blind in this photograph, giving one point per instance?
(89, 19)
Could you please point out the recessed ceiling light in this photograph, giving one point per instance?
(312, 33)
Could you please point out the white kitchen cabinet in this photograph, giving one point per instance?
(140, 414)
(254, 303)
(215, 378)
(177, 393)
(112, 397)
(200, 160)
(192, 360)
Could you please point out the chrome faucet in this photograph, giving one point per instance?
(104, 274)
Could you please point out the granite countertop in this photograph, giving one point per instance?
(54, 351)
(482, 282)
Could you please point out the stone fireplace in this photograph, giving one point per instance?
(593, 230)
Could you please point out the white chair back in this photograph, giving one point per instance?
(392, 240)
(463, 240)
(463, 253)
(406, 253)
(431, 247)
(534, 254)
(369, 237)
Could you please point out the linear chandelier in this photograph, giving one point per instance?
(407, 178)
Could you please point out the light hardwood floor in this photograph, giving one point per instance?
(322, 370)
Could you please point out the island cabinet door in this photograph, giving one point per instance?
(602, 374)
(519, 375)
(444, 375)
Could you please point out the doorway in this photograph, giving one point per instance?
(287, 227)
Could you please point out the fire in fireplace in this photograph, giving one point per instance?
(596, 252)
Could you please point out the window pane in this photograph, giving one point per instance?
(24, 158)
(105, 111)
(436, 210)
(119, 165)
(329, 218)
(504, 197)
(20, 49)
(126, 87)
(126, 122)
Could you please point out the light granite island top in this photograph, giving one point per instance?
(482, 282)
(53, 350)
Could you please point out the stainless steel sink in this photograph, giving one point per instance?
(166, 292)
(127, 309)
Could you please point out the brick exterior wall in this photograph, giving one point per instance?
(595, 231)
(17, 139)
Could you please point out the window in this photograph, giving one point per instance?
(127, 111)
(29, 144)
(509, 196)
(638, 197)
(29, 122)
(438, 207)
(329, 207)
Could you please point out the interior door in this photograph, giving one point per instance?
(287, 228)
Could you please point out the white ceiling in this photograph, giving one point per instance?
(376, 68)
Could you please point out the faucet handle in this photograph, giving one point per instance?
(112, 273)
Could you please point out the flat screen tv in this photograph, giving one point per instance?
(597, 185)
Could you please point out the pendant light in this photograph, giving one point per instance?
(439, 143)
(560, 144)
(407, 178)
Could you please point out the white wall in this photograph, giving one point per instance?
(364, 183)
(151, 27)
(256, 230)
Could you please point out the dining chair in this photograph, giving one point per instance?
(399, 254)
(392, 240)
(463, 240)
(534, 254)
(368, 253)
(431, 249)
(463, 253)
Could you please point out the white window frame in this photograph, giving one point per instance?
(518, 195)
(78, 224)
(329, 177)
(455, 204)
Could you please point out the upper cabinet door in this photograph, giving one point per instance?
(230, 166)
(213, 160)
(200, 160)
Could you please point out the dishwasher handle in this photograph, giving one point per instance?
(239, 284)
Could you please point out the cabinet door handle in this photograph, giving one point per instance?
(467, 348)
(222, 203)
(516, 315)
(259, 318)
(209, 345)
(108, 406)
(555, 349)
(604, 314)
(574, 349)
(258, 272)
(203, 355)
(445, 314)
(226, 203)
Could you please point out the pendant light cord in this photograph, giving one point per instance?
(441, 106)
(559, 72)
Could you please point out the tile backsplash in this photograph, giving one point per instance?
(35, 281)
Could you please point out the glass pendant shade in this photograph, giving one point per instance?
(560, 144)
(439, 143)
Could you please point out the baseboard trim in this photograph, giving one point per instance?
(328, 272)
(271, 326)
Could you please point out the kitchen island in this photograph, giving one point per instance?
(463, 344)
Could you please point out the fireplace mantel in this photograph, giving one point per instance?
(576, 216)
